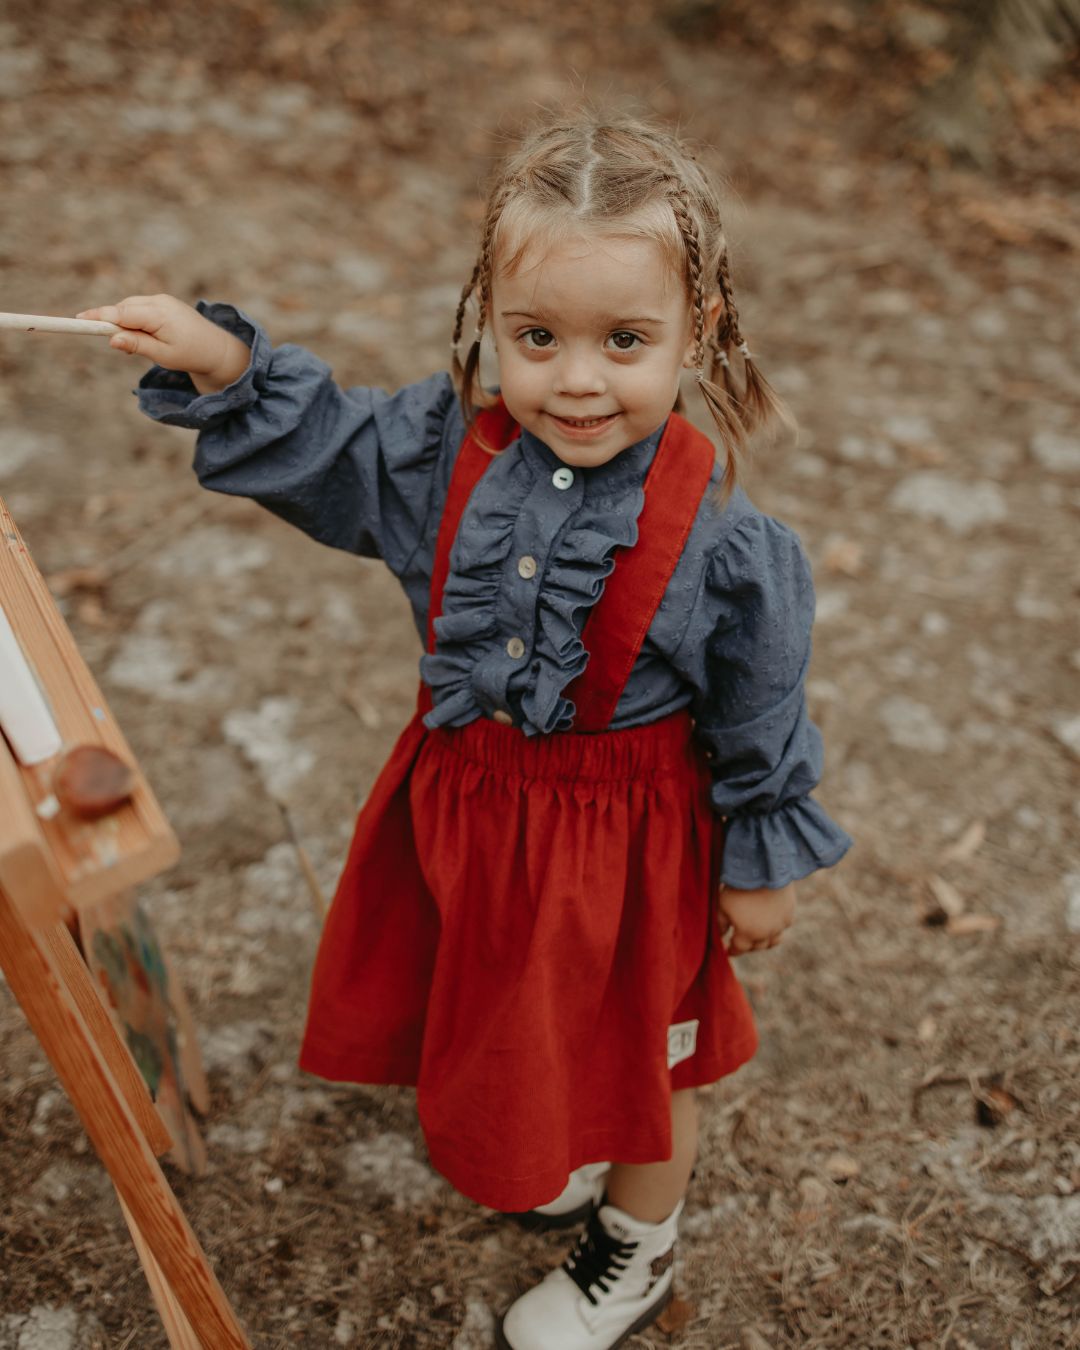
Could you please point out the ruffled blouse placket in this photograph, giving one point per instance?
(554, 499)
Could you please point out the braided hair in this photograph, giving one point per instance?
(619, 175)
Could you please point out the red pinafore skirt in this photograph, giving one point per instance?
(526, 927)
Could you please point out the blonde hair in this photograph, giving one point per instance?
(622, 175)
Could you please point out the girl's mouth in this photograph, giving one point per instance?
(583, 428)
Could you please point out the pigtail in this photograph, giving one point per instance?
(471, 394)
(759, 406)
(721, 401)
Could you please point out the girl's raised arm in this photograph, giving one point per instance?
(176, 337)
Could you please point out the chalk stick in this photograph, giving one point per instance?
(44, 323)
(24, 714)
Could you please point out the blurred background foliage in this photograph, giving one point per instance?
(990, 83)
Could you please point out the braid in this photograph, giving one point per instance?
(720, 401)
(758, 403)
(479, 284)
(727, 327)
(459, 320)
(680, 204)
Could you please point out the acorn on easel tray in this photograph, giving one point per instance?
(90, 782)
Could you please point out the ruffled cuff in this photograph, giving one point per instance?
(784, 845)
(169, 396)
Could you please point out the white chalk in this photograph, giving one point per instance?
(45, 323)
(24, 715)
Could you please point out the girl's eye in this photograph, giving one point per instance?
(538, 337)
(624, 342)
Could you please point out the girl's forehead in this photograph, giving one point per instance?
(577, 265)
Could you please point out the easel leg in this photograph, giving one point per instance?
(177, 1327)
(61, 1029)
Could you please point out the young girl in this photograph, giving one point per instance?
(530, 926)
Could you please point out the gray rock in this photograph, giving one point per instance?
(913, 726)
(477, 1328)
(387, 1163)
(1056, 453)
(960, 506)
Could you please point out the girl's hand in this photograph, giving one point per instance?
(757, 918)
(175, 336)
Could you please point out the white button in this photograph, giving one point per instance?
(563, 478)
(516, 648)
(503, 718)
(526, 567)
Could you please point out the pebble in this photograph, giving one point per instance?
(213, 551)
(46, 1327)
(263, 736)
(913, 726)
(388, 1163)
(1056, 453)
(477, 1328)
(1071, 883)
(1067, 730)
(961, 507)
(19, 446)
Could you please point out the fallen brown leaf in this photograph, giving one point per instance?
(993, 1105)
(843, 556)
(967, 845)
(964, 924)
(813, 1191)
(841, 1167)
(947, 896)
(675, 1316)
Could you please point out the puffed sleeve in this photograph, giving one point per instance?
(765, 753)
(358, 469)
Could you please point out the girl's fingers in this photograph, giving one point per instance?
(141, 344)
(137, 311)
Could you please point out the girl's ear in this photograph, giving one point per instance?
(714, 307)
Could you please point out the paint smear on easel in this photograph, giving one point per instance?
(132, 974)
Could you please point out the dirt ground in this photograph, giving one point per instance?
(900, 1166)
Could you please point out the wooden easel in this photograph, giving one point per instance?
(50, 865)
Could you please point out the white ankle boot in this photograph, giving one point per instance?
(612, 1285)
(583, 1192)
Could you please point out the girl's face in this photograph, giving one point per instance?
(591, 337)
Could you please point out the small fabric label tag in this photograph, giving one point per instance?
(681, 1042)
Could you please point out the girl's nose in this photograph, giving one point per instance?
(578, 376)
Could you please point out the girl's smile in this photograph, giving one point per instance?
(592, 335)
(583, 428)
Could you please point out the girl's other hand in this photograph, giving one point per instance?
(175, 336)
(757, 919)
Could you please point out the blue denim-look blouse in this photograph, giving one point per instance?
(369, 472)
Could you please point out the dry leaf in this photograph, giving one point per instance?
(993, 1106)
(967, 845)
(813, 1191)
(925, 453)
(841, 1167)
(964, 924)
(947, 896)
(843, 556)
(363, 707)
(675, 1316)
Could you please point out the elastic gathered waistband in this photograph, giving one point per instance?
(597, 757)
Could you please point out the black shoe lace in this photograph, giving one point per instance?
(598, 1258)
